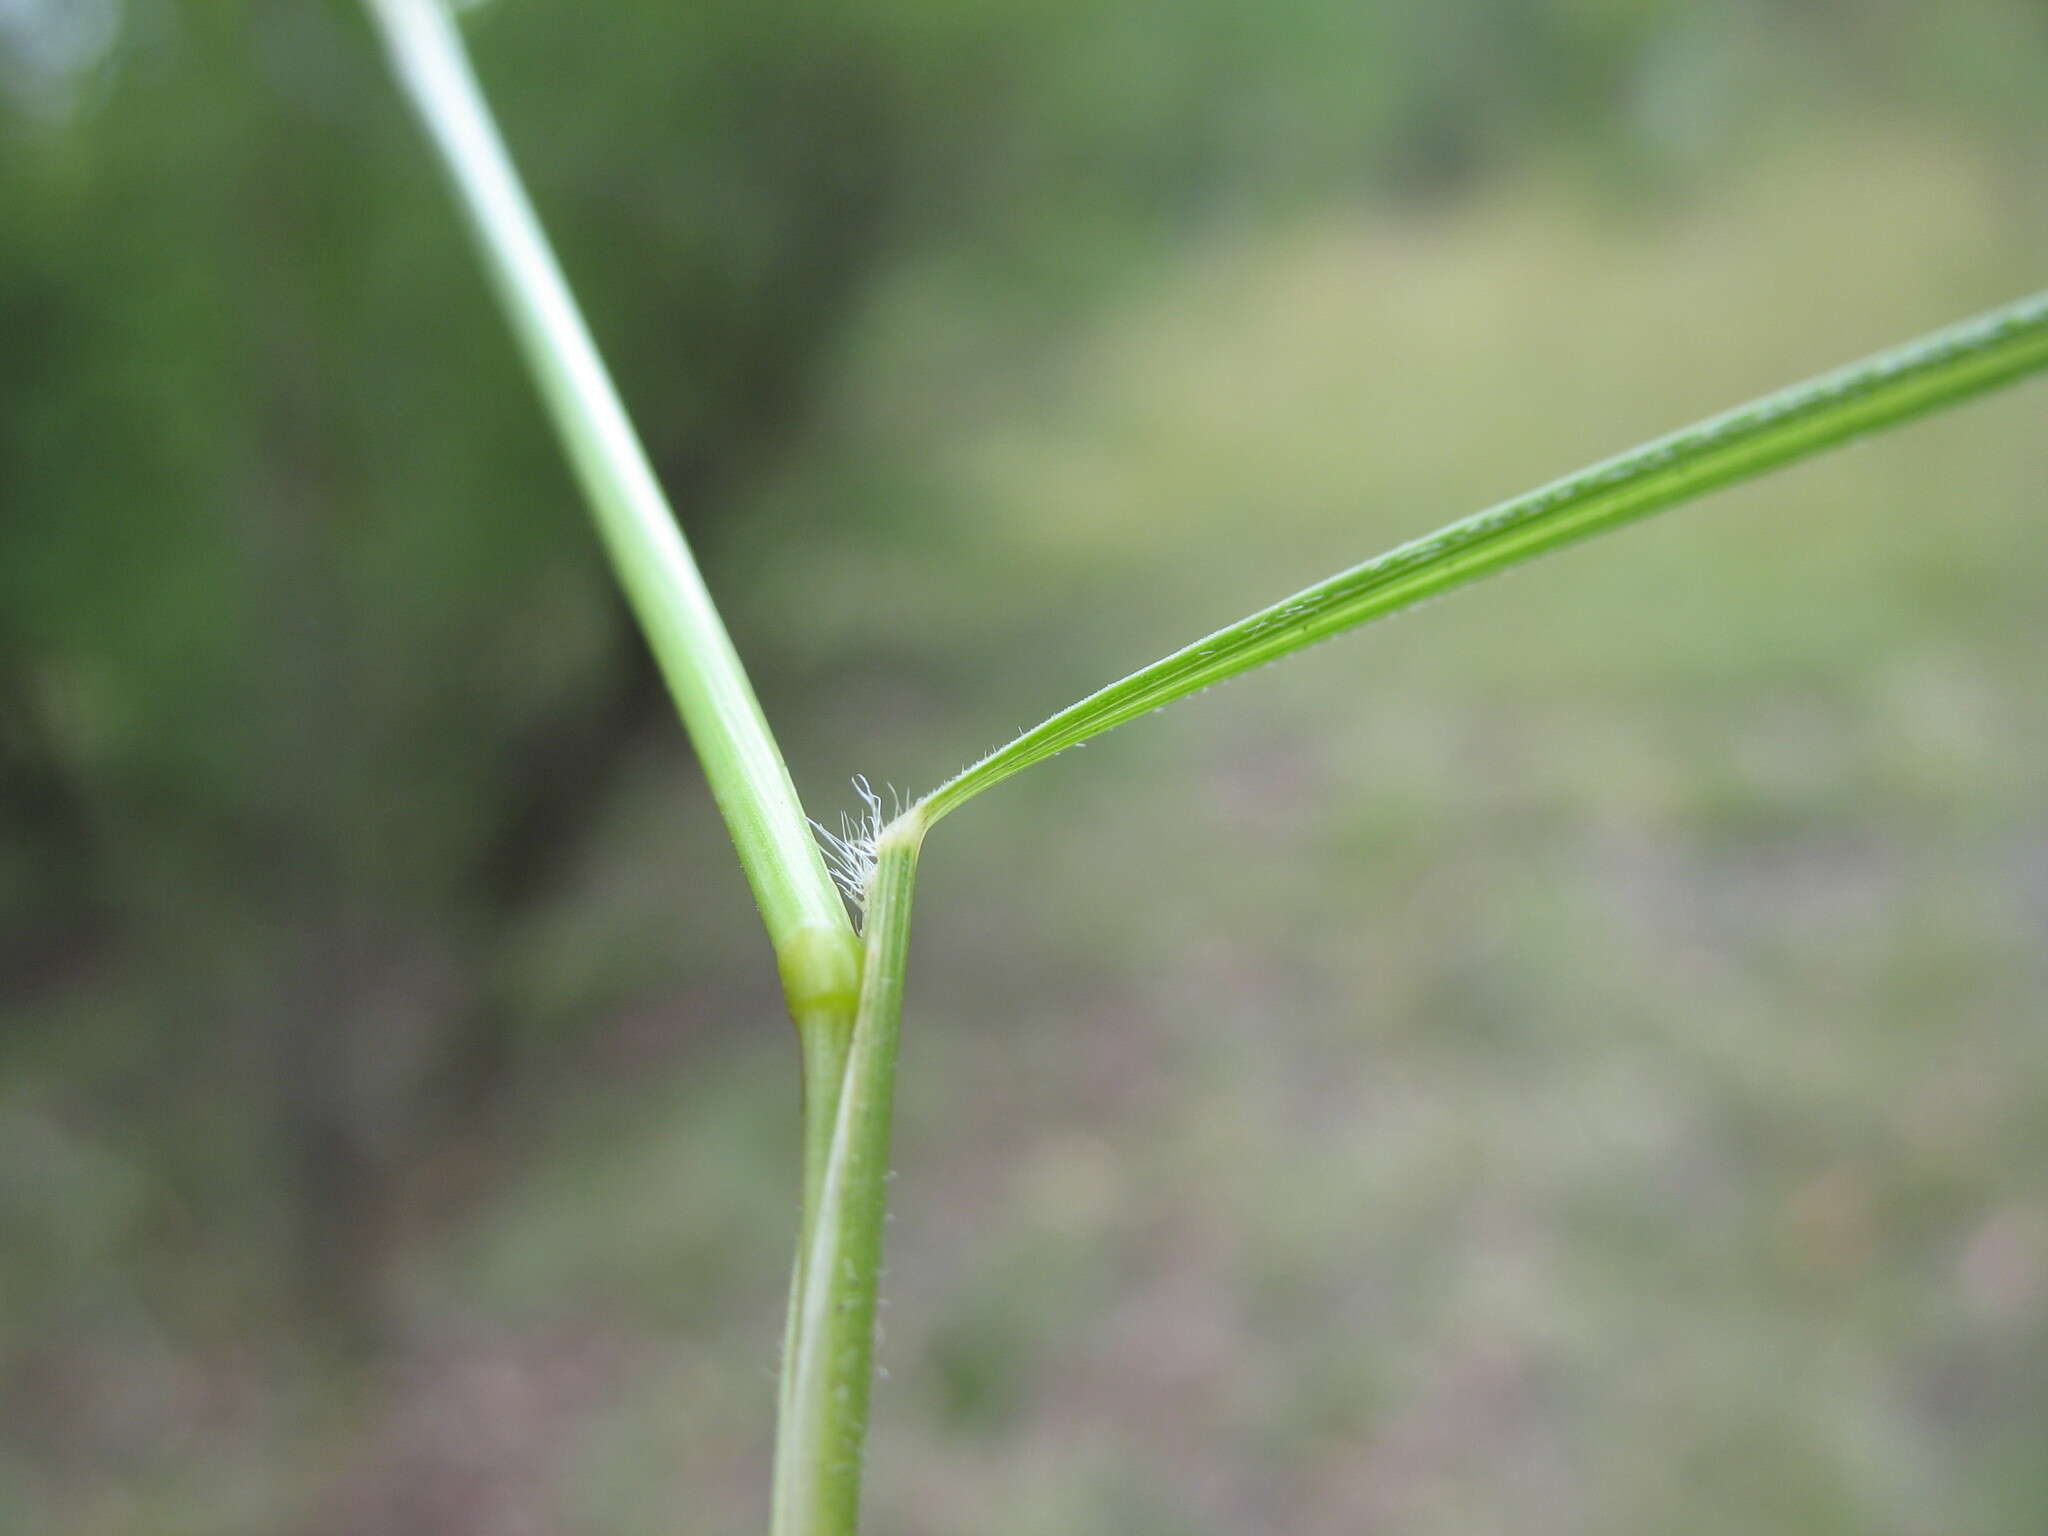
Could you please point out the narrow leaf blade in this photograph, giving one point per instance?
(1925, 375)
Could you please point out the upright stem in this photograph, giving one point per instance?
(801, 909)
(826, 1376)
(816, 952)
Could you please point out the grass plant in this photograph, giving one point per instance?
(845, 991)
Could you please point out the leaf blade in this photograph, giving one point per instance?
(1942, 368)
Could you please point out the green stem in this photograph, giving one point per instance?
(802, 911)
(824, 1069)
(826, 1377)
(816, 952)
(1939, 369)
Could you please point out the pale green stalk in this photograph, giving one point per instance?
(827, 1382)
(815, 948)
(800, 907)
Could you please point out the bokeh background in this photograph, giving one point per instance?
(1570, 1061)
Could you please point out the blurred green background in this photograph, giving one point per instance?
(1570, 1061)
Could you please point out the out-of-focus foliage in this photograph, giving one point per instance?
(391, 1081)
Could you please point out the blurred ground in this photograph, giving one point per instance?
(1568, 1061)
